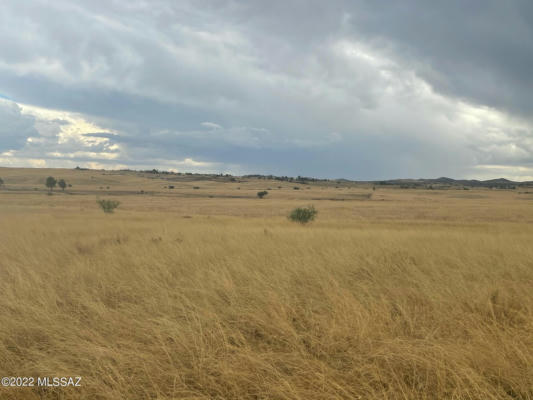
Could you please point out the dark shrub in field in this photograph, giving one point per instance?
(262, 194)
(303, 215)
(108, 206)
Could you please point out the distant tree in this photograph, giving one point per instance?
(262, 194)
(51, 183)
(62, 184)
(1, 182)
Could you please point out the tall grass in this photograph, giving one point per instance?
(153, 306)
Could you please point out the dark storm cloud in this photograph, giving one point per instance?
(15, 128)
(481, 50)
(340, 88)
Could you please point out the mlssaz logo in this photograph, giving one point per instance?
(59, 381)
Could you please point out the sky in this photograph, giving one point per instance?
(355, 89)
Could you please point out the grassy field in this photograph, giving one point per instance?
(211, 293)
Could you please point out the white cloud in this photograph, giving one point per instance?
(211, 125)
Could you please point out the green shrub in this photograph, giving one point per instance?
(262, 194)
(108, 206)
(303, 215)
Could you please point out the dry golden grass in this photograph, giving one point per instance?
(178, 295)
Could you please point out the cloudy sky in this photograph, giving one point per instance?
(355, 89)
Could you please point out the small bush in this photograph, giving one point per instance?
(296, 188)
(303, 215)
(262, 194)
(108, 206)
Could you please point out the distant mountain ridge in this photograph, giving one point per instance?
(498, 183)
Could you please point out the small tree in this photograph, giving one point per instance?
(108, 206)
(303, 215)
(62, 184)
(51, 183)
(1, 182)
(262, 194)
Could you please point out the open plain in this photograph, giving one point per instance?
(205, 291)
